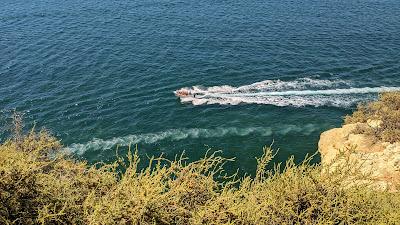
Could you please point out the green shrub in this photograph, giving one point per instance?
(386, 110)
(39, 185)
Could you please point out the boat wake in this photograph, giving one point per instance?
(300, 92)
(191, 133)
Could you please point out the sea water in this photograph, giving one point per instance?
(102, 73)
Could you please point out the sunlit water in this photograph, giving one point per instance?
(101, 73)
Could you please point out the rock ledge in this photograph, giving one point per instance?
(381, 160)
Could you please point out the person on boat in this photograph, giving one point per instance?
(185, 93)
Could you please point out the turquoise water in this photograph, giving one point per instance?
(101, 73)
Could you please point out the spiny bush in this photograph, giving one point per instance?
(40, 185)
(386, 110)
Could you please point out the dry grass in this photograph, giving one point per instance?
(39, 185)
(387, 110)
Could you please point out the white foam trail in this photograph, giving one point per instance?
(365, 90)
(270, 85)
(193, 133)
(300, 92)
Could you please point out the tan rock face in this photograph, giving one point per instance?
(379, 159)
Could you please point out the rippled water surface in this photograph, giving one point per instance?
(101, 73)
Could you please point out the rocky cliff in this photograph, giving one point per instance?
(379, 160)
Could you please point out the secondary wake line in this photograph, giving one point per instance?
(97, 144)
